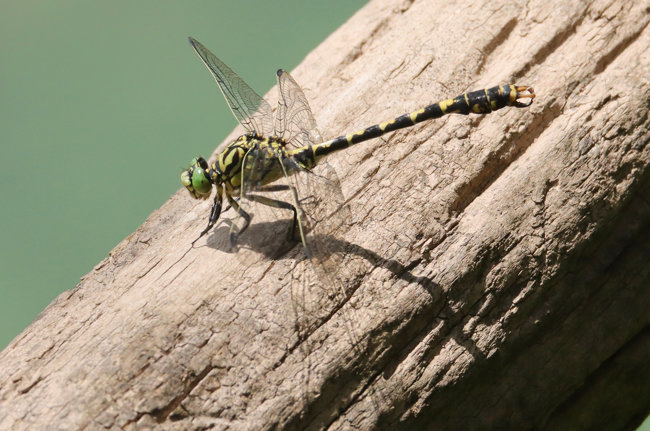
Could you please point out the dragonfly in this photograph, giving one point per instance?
(278, 153)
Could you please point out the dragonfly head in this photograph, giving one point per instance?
(196, 178)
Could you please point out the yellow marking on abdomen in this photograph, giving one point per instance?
(444, 105)
(513, 93)
(383, 125)
(477, 106)
(414, 115)
(352, 135)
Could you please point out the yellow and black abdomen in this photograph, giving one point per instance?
(474, 102)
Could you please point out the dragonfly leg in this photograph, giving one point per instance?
(291, 234)
(234, 232)
(215, 211)
(273, 188)
(296, 222)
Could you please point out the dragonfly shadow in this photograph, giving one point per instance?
(271, 240)
(399, 270)
(268, 238)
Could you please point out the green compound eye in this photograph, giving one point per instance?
(196, 179)
(200, 181)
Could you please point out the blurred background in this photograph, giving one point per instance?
(102, 104)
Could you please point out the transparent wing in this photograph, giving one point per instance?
(294, 121)
(266, 196)
(324, 212)
(270, 176)
(320, 282)
(252, 112)
(268, 167)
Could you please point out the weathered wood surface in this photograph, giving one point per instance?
(497, 267)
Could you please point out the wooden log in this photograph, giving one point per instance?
(495, 269)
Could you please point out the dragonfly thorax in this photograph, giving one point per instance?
(251, 158)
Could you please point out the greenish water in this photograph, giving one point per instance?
(93, 94)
